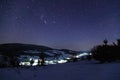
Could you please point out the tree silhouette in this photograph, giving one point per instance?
(105, 42)
(31, 62)
(106, 53)
(42, 57)
(118, 42)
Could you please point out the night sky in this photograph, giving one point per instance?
(70, 24)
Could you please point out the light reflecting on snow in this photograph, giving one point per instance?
(24, 63)
(50, 62)
(83, 54)
(68, 58)
(35, 64)
(62, 61)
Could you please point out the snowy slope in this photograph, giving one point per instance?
(69, 71)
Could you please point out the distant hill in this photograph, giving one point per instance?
(30, 49)
(71, 52)
(19, 47)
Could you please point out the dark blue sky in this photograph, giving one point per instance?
(71, 24)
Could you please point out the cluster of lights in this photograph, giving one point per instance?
(46, 62)
(35, 61)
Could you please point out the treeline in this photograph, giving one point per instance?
(106, 53)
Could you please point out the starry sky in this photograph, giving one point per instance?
(69, 24)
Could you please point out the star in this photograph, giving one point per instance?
(1, 6)
(53, 22)
(28, 7)
(45, 21)
(32, 0)
(16, 17)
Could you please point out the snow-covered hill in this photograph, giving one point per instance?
(23, 54)
(81, 70)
